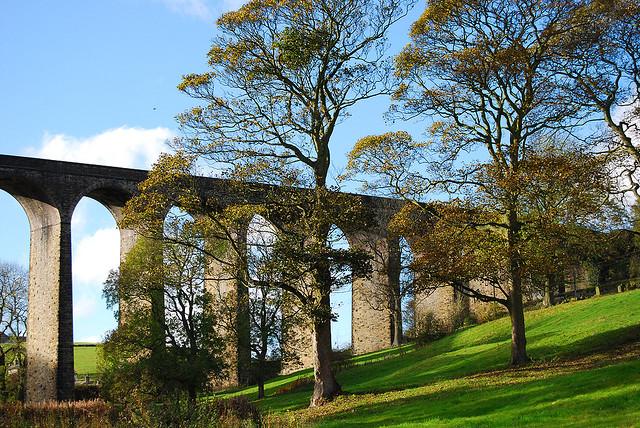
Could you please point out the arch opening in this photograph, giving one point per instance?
(267, 318)
(341, 294)
(405, 302)
(14, 229)
(95, 251)
(184, 276)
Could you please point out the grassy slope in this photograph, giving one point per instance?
(600, 396)
(561, 332)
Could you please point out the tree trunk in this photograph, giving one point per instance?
(546, 300)
(261, 365)
(550, 289)
(3, 378)
(260, 387)
(518, 337)
(397, 321)
(516, 306)
(191, 389)
(326, 387)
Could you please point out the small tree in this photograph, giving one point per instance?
(265, 304)
(166, 345)
(13, 320)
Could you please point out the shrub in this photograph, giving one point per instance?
(485, 312)
(459, 313)
(83, 392)
(428, 328)
(93, 413)
(296, 385)
(237, 408)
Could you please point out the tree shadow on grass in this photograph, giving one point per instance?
(604, 341)
(599, 396)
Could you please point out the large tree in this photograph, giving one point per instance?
(283, 75)
(464, 243)
(483, 73)
(601, 58)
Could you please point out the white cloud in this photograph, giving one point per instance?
(201, 9)
(84, 307)
(94, 256)
(196, 8)
(123, 147)
(79, 218)
(91, 339)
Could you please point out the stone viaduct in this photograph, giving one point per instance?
(48, 191)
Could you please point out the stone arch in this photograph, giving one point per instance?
(113, 196)
(50, 349)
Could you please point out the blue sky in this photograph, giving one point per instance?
(95, 82)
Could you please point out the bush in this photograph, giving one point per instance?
(93, 413)
(237, 408)
(485, 312)
(15, 385)
(459, 315)
(296, 385)
(234, 412)
(83, 392)
(428, 328)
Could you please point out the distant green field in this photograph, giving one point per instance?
(86, 358)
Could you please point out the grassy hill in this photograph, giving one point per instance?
(586, 371)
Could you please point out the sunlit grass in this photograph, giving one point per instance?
(432, 385)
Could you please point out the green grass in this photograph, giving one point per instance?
(431, 385)
(85, 359)
(605, 396)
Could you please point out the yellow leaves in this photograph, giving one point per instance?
(252, 11)
(386, 145)
(255, 11)
(297, 47)
(242, 213)
(438, 13)
(216, 54)
(195, 80)
(230, 54)
(408, 59)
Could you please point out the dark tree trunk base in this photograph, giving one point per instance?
(326, 387)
